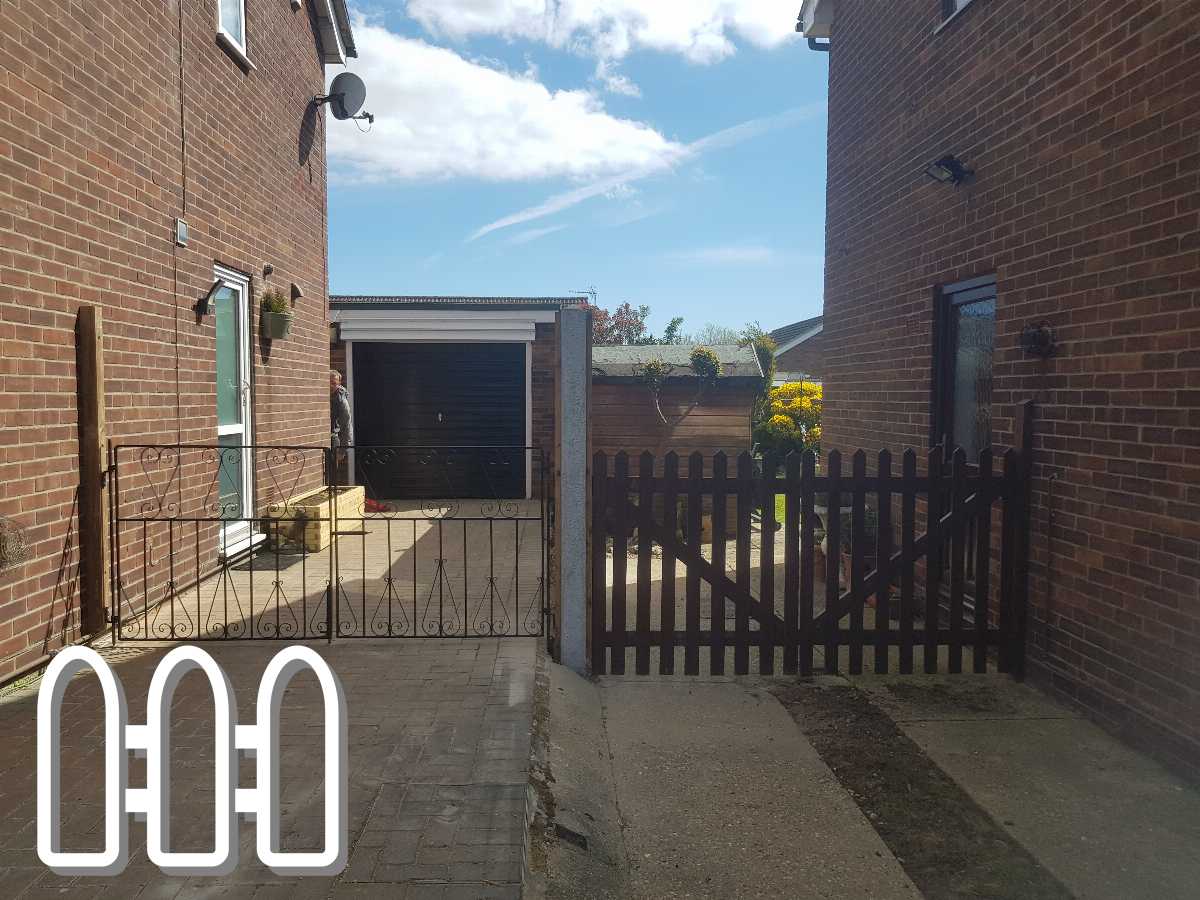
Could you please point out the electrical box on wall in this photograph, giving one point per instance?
(181, 232)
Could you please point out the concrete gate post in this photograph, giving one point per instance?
(574, 384)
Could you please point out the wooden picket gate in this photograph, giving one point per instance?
(911, 598)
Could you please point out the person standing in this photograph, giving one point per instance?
(341, 428)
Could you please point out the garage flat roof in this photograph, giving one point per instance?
(381, 301)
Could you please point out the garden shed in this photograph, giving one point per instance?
(691, 414)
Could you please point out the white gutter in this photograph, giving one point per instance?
(816, 18)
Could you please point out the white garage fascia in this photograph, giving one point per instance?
(439, 326)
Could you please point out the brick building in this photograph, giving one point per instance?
(799, 351)
(118, 119)
(1066, 205)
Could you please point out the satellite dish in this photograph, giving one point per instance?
(346, 95)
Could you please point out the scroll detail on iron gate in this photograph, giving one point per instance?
(227, 542)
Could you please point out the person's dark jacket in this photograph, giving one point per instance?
(340, 426)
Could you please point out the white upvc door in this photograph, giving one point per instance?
(235, 425)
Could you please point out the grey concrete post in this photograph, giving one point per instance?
(574, 379)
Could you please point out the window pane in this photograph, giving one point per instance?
(229, 379)
(230, 476)
(975, 335)
(231, 20)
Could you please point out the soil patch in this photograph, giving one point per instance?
(948, 845)
(968, 696)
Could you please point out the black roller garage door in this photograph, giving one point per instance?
(459, 398)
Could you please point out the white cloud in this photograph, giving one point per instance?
(618, 184)
(532, 234)
(439, 115)
(735, 254)
(702, 31)
(615, 82)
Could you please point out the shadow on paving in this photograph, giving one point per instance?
(949, 846)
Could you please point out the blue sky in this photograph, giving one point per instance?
(665, 152)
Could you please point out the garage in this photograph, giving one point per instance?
(448, 419)
(453, 397)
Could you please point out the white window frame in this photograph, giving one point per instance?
(229, 41)
(234, 540)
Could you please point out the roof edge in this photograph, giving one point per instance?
(799, 339)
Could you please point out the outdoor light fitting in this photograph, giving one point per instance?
(202, 305)
(948, 170)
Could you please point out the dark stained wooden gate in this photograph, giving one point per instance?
(773, 597)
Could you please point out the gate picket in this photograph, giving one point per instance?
(791, 564)
(808, 465)
(833, 559)
(958, 552)
(745, 484)
(716, 613)
(766, 566)
(666, 659)
(858, 541)
(983, 561)
(645, 545)
(883, 560)
(908, 527)
(600, 506)
(691, 651)
(620, 562)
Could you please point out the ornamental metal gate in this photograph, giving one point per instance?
(323, 550)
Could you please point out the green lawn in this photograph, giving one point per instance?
(780, 507)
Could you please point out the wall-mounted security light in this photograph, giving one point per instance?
(948, 170)
(204, 304)
(1038, 339)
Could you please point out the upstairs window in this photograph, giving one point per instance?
(231, 26)
(964, 339)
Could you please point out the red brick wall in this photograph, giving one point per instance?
(1082, 121)
(102, 145)
(807, 357)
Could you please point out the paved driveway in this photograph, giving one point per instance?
(438, 754)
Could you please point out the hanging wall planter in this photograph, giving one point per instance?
(276, 316)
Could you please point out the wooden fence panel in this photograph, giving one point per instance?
(889, 594)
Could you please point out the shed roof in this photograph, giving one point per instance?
(406, 301)
(625, 361)
(786, 334)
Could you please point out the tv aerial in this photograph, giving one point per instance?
(346, 97)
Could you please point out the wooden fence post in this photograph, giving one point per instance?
(93, 525)
(1023, 441)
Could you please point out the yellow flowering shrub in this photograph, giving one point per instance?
(794, 419)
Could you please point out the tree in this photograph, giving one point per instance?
(625, 325)
(712, 334)
(673, 333)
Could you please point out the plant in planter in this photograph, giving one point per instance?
(276, 315)
(707, 366)
(653, 373)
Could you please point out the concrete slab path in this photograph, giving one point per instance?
(1108, 822)
(721, 796)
